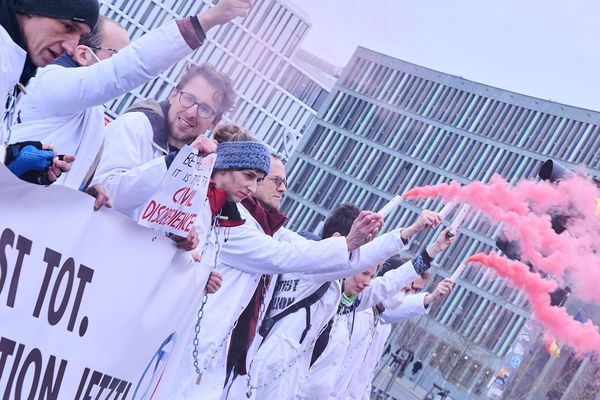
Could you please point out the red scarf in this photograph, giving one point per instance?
(245, 330)
(217, 198)
(269, 220)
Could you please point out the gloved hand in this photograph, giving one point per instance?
(29, 161)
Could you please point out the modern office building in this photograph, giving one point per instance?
(388, 126)
(277, 100)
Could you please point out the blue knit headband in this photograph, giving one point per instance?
(243, 155)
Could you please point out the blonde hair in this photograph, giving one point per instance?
(228, 132)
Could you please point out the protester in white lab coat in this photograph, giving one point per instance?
(64, 101)
(285, 355)
(329, 372)
(371, 331)
(33, 33)
(249, 254)
(141, 144)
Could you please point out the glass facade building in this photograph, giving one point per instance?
(276, 101)
(388, 126)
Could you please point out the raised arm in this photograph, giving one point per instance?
(141, 61)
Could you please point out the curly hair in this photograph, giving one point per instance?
(225, 94)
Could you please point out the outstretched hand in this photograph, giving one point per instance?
(427, 219)
(365, 227)
(223, 12)
(441, 290)
(101, 195)
(441, 243)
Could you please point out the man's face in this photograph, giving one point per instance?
(47, 38)
(359, 282)
(114, 38)
(270, 191)
(184, 123)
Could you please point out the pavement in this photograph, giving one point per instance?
(400, 388)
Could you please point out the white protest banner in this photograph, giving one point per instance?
(181, 195)
(92, 305)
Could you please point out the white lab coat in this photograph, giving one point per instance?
(11, 67)
(329, 373)
(249, 253)
(132, 165)
(132, 168)
(63, 106)
(271, 357)
(366, 346)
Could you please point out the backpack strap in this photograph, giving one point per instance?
(306, 302)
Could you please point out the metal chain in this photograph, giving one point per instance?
(213, 354)
(213, 233)
(371, 332)
(275, 378)
(197, 331)
(8, 112)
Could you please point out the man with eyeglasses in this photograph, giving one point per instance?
(270, 191)
(64, 102)
(140, 145)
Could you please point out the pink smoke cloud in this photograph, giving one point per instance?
(567, 258)
(582, 337)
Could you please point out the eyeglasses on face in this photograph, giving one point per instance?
(188, 100)
(278, 180)
(112, 51)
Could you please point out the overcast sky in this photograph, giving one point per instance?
(544, 48)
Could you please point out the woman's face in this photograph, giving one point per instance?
(359, 282)
(238, 184)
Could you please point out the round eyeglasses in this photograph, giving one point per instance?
(278, 181)
(188, 100)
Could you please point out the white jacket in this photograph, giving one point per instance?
(244, 257)
(249, 253)
(132, 165)
(63, 106)
(360, 362)
(276, 353)
(11, 66)
(321, 381)
(132, 168)
(318, 380)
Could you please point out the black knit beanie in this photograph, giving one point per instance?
(85, 11)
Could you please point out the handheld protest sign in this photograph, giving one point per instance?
(181, 195)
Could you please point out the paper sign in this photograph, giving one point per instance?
(181, 195)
